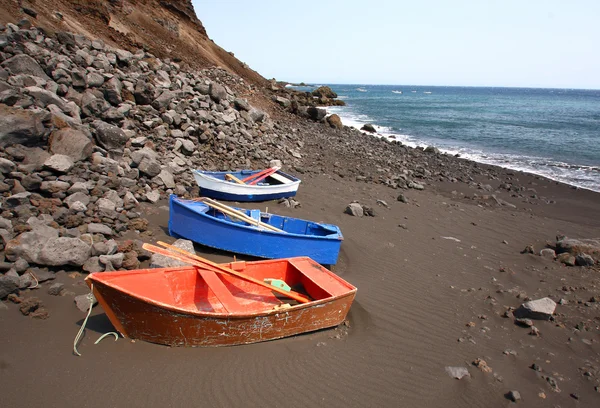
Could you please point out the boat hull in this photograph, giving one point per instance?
(214, 185)
(186, 223)
(137, 319)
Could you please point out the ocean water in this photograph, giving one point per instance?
(550, 132)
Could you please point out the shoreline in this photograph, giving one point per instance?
(511, 161)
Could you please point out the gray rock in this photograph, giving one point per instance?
(18, 199)
(24, 64)
(21, 265)
(514, 396)
(153, 196)
(241, 104)
(7, 286)
(402, 198)
(105, 206)
(77, 197)
(54, 186)
(72, 143)
(317, 114)
(42, 274)
(143, 93)
(28, 245)
(123, 56)
(541, 309)
(187, 147)
(108, 136)
(548, 253)
(84, 302)
(112, 91)
(59, 163)
(94, 80)
(44, 97)
(20, 126)
(167, 178)
(5, 223)
(6, 166)
(457, 372)
(94, 228)
(65, 251)
(256, 115)
(354, 209)
(56, 289)
(164, 99)
(283, 101)
(416, 186)
(161, 261)
(368, 128)
(584, 260)
(217, 92)
(149, 167)
(116, 260)
(93, 265)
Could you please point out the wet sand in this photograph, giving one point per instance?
(417, 294)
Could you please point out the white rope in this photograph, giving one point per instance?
(82, 328)
(80, 333)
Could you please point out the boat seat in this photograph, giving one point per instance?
(255, 214)
(221, 292)
(315, 273)
(282, 179)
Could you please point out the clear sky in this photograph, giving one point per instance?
(529, 43)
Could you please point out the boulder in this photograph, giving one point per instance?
(354, 209)
(143, 93)
(108, 136)
(7, 286)
(579, 246)
(20, 126)
(28, 245)
(43, 97)
(94, 228)
(6, 166)
(24, 64)
(59, 163)
(584, 260)
(72, 143)
(149, 167)
(317, 114)
(541, 309)
(324, 92)
(161, 261)
(256, 115)
(241, 104)
(285, 102)
(164, 99)
(94, 80)
(335, 121)
(65, 251)
(369, 128)
(84, 302)
(112, 91)
(217, 92)
(548, 253)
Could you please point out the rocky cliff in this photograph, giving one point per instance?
(167, 29)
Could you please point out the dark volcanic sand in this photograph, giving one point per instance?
(416, 294)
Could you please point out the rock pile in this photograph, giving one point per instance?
(88, 131)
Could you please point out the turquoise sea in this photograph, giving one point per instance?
(551, 132)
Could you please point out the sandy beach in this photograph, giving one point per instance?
(420, 285)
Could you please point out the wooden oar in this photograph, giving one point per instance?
(200, 262)
(234, 178)
(232, 212)
(264, 176)
(260, 173)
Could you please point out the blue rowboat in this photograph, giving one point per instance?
(197, 221)
(214, 184)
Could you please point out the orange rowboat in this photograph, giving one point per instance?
(178, 307)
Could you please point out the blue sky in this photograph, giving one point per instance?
(529, 43)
